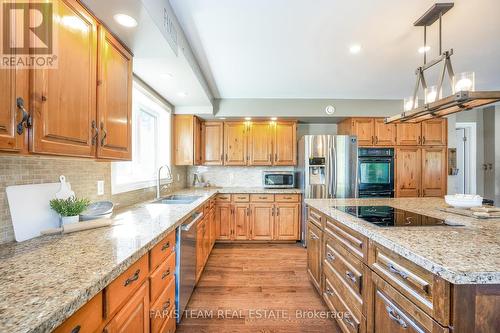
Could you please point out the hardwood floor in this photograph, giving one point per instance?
(256, 288)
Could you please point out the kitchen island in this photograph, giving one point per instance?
(430, 278)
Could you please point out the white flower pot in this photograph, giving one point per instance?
(69, 219)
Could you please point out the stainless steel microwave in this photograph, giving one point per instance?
(278, 179)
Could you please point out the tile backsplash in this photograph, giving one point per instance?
(232, 176)
(82, 174)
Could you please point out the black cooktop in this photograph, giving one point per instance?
(386, 216)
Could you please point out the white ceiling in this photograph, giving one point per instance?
(154, 61)
(300, 48)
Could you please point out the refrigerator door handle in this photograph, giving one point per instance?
(332, 179)
(334, 185)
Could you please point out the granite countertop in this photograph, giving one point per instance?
(231, 190)
(46, 279)
(468, 254)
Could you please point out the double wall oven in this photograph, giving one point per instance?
(376, 172)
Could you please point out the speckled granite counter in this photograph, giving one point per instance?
(45, 280)
(258, 190)
(468, 254)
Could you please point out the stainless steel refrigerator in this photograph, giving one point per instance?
(327, 168)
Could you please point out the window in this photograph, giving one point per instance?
(150, 143)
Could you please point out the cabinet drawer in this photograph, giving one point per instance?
(315, 217)
(347, 273)
(162, 250)
(163, 308)
(423, 288)
(287, 198)
(161, 277)
(350, 320)
(393, 312)
(122, 287)
(354, 242)
(223, 198)
(241, 197)
(262, 197)
(86, 320)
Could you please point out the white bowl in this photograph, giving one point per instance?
(463, 200)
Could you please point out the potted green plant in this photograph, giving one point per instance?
(69, 209)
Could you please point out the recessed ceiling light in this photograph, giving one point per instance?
(125, 20)
(248, 118)
(355, 48)
(222, 118)
(274, 118)
(182, 94)
(424, 49)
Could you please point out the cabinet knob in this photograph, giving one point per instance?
(44, 98)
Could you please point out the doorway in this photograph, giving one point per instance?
(465, 134)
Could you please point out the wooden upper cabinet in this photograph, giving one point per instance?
(63, 100)
(241, 221)
(363, 128)
(287, 221)
(187, 140)
(114, 98)
(434, 175)
(408, 172)
(384, 134)
(235, 143)
(13, 84)
(285, 143)
(213, 143)
(134, 316)
(435, 132)
(408, 134)
(262, 221)
(260, 143)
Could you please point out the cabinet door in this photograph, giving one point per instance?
(285, 143)
(134, 316)
(235, 143)
(408, 172)
(241, 221)
(262, 221)
(287, 221)
(314, 254)
(223, 221)
(114, 98)
(363, 128)
(213, 143)
(197, 141)
(385, 134)
(434, 132)
(213, 232)
(185, 128)
(13, 84)
(434, 172)
(200, 247)
(260, 144)
(408, 134)
(64, 99)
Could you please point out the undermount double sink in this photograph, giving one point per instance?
(178, 199)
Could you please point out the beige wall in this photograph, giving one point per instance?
(82, 174)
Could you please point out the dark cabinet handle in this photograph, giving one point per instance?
(165, 274)
(329, 256)
(105, 134)
(397, 271)
(166, 305)
(95, 129)
(26, 120)
(423, 140)
(349, 321)
(278, 211)
(350, 276)
(76, 329)
(133, 278)
(165, 246)
(329, 292)
(395, 317)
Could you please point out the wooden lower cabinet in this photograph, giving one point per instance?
(314, 241)
(223, 221)
(134, 316)
(86, 320)
(287, 221)
(434, 173)
(262, 221)
(241, 216)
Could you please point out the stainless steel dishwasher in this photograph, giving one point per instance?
(186, 257)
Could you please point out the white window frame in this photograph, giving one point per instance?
(156, 107)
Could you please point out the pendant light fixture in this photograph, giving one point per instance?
(463, 97)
